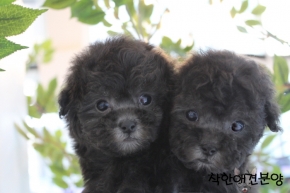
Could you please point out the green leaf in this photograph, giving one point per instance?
(58, 169)
(33, 111)
(58, 4)
(188, 48)
(7, 47)
(46, 134)
(58, 155)
(178, 42)
(233, 12)
(6, 2)
(79, 183)
(58, 134)
(107, 3)
(281, 71)
(48, 50)
(31, 130)
(41, 148)
(166, 41)
(169, 46)
(252, 22)
(130, 8)
(37, 48)
(63, 144)
(267, 141)
(49, 102)
(242, 29)
(87, 13)
(106, 23)
(40, 96)
(116, 12)
(118, 3)
(276, 169)
(244, 6)
(51, 89)
(112, 33)
(41, 53)
(60, 182)
(47, 44)
(74, 167)
(20, 131)
(126, 31)
(47, 57)
(158, 26)
(145, 11)
(15, 19)
(284, 102)
(1, 70)
(51, 106)
(258, 10)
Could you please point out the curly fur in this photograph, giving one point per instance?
(221, 88)
(118, 71)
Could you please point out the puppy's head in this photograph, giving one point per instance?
(116, 96)
(221, 107)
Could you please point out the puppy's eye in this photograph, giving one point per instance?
(238, 126)
(102, 105)
(145, 99)
(191, 115)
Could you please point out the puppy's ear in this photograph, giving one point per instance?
(64, 101)
(264, 84)
(71, 95)
(272, 115)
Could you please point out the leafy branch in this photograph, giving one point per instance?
(53, 150)
(41, 53)
(14, 20)
(138, 25)
(254, 23)
(52, 147)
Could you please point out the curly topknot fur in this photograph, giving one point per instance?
(222, 105)
(116, 102)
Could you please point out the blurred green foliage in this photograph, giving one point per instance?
(262, 155)
(255, 22)
(45, 100)
(281, 81)
(175, 48)
(41, 53)
(139, 25)
(53, 147)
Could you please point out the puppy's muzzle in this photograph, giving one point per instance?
(128, 126)
(208, 149)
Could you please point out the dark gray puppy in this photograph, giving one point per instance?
(222, 105)
(116, 102)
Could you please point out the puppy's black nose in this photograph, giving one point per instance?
(127, 126)
(208, 150)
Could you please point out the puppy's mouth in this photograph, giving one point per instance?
(196, 162)
(205, 161)
(129, 139)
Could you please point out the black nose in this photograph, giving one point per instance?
(127, 126)
(208, 150)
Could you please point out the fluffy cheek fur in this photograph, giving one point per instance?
(187, 143)
(103, 132)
